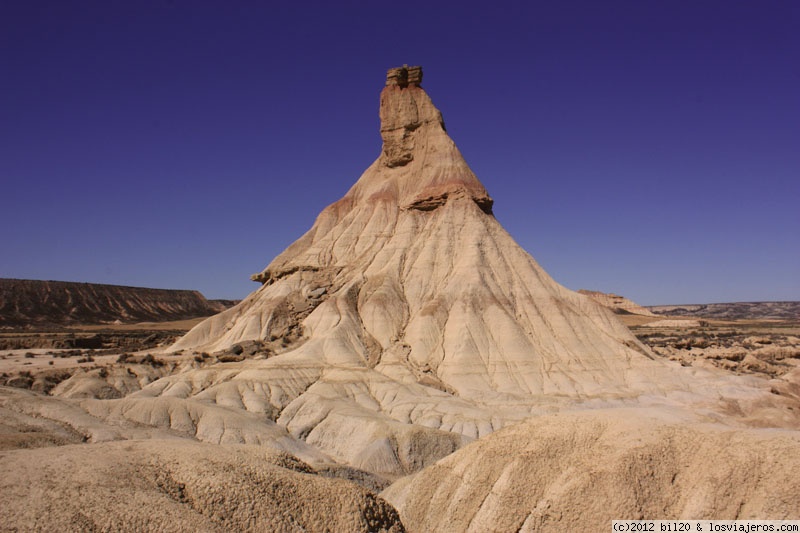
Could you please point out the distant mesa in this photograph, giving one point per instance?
(733, 311)
(720, 311)
(26, 302)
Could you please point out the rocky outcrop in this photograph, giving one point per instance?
(404, 76)
(615, 302)
(579, 471)
(180, 485)
(34, 302)
(761, 348)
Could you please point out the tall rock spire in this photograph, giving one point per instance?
(411, 268)
(404, 109)
(414, 136)
(407, 302)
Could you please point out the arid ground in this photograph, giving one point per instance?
(184, 479)
(766, 348)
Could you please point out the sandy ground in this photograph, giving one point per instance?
(34, 360)
(185, 325)
(675, 458)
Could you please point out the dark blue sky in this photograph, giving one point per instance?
(646, 148)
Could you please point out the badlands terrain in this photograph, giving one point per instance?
(27, 303)
(403, 366)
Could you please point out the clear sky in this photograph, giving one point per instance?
(650, 149)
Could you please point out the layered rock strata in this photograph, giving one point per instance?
(413, 322)
(615, 302)
(26, 302)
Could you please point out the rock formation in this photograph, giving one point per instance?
(411, 276)
(579, 471)
(408, 308)
(615, 302)
(32, 302)
(410, 322)
(179, 485)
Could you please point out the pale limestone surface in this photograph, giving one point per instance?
(179, 485)
(579, 471)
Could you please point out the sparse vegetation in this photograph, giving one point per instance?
(152, 361)
(229, 358)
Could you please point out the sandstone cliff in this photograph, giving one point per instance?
(33, 302)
